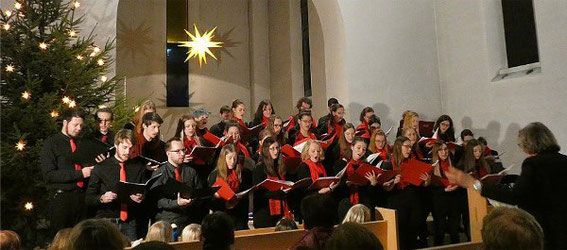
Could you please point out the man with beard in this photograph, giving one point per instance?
(66, 181)
(171, 207)
(123, 213)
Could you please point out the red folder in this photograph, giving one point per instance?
(324, 182)
(387, 175)
(426, 140)
(210, 137)
(272, 185)
(412, 171)
(359, 178)
(288, 150)
(225, 191)
(491, 179)
(249, 133)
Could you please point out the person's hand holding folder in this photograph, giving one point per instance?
(108, 197)
(181, 202)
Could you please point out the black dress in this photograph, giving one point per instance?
(238, 213)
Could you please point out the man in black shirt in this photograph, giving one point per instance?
(123, 211)
(171, 207)
(104, 118)
(66, 181)
(218, 128)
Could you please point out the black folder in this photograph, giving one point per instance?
(186, 192)
(88, 149)
(124, 189)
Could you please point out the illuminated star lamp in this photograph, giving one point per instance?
(199, 45)
(28, 206)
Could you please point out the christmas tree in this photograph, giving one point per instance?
(47, 67)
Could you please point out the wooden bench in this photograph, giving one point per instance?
(285, 239)
(259, 231)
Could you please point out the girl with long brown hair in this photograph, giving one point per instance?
(238, 179)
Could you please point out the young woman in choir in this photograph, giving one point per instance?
(269, 207)
(345, 141)
(445, 198)
(275, 125)
(187, 132)
(416, 150)
(405, 197)
(265, 133)
(238, 110)
(232, 130)
(263, 113)
(379, 145)
(136, 124)
(363, 129)
(474, 161)
(238, 179)
(351, 193)
(410, 119)
(311, 165)
(302, 130)
(335, 125)
(303, 104)
(444, 128)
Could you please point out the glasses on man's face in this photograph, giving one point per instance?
(104, 120)
(178, 151)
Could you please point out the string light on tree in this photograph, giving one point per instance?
(96, 49)
(199, 45)
(54, 114)
(6, 26)
(7, 13)
(43, 45)
(21, 145)
(72, 104)
(102, 106)
(100, 62)
(26, 95)
(76, 4)
(80, 57)
(9, 68)
(136, 108)
(17, 5)
(103, 78)
(28, 206)
(72, 33)
(66, 100)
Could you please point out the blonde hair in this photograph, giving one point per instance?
(305, 151)
(407, 121)
(536, 138)
(358, 214)
(191, 232)
(160, 231)
(148, 104)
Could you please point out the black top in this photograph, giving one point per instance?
(366, 194)
(325, 119)
(58, 170)
(110, 137)
(262, 217)
(239, 213)
(540, 190)
(104, 178)
(218, 129)
(167, 206)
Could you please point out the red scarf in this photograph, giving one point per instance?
(382, 154)
(316, 169)
(444, 167)
(232, 179)
(241, 123)
(334, 127)
(189, 144)
(300, 138)
(481, 171)
(402, 184)
(265, 121)
(276, 206)
(487, 151)
(353, 189)
(363, 130)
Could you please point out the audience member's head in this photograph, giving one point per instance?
(353, 236)
(154, 245)
(511, 228)
(286, 224)
(316, 212)
(466, 136)
(9, 240)
(96, 234)
(160, 231)
(61, 240)
(191, 232)
(358, 214)
(217, 231)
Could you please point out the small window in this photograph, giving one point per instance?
(177, 71)
(305, 50)
(520, 32)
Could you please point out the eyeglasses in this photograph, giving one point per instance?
(104, 120)
(178, 151)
